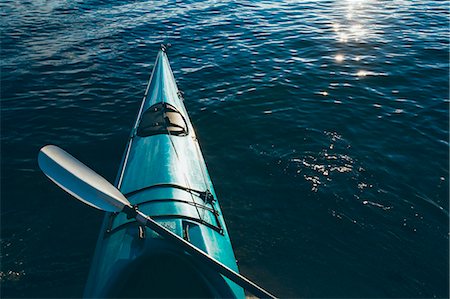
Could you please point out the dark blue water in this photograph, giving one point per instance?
(325, 127)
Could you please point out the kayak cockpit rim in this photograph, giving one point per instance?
(166, 270)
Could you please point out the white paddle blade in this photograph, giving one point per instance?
(79, 180)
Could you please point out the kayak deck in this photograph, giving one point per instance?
(163, 173)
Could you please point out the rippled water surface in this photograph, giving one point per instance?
(325, 127)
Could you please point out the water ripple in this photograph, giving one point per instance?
(327, 121)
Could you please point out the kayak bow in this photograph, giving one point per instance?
(164, 175)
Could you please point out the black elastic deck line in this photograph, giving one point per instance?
(170, 216)
(206, 196)
(212, 210)
(195, 204)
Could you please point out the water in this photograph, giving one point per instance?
(325, 127)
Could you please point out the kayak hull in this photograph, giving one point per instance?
(163, 173)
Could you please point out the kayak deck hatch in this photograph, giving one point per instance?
(162, 118)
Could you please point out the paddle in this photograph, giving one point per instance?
(89, 187)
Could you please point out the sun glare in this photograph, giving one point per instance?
(339, 58)
(362, 73)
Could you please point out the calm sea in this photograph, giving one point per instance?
(325, 127)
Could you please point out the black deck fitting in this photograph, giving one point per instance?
(165, 47)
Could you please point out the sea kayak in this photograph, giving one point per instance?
(164, 175)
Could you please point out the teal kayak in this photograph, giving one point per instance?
(163, 173)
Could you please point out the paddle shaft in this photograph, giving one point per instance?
(213, 263)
